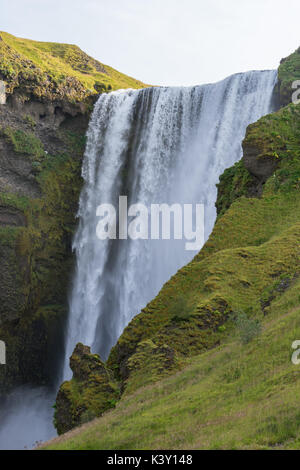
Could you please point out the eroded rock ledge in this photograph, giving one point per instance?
(91, 391)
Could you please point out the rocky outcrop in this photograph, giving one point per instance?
(91, 391)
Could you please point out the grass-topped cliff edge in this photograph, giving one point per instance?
(56, 71)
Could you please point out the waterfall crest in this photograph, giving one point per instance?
(156, 145)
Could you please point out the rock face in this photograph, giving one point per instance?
(41, 147)
(91, 391)
(40, 181)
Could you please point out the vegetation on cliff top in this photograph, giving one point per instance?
(56, 71)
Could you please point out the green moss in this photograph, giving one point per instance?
(29, 120)
(37, 263)
(234, 183)
(24, 142)
(12, 200)
(151, 363)
(276, 136)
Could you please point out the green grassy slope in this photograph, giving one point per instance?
(54, 70)
(235, 396)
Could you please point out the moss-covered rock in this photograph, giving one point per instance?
(91, 391)
(235, 182)
(36, 265)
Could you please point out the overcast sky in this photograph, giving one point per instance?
(165, 42)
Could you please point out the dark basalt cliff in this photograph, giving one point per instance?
(40, 177)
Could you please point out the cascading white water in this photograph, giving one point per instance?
(154, 145)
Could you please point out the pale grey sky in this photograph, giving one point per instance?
(165, 42)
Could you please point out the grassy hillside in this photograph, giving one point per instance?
(237, 396)
(54, 70)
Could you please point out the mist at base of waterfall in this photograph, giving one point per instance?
(26, 417)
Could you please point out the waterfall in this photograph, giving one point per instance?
(156, 145)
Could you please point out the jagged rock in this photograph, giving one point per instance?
(258, 164)
(91, 391)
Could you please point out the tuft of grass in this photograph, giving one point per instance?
(249, 328)
(24, 142)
